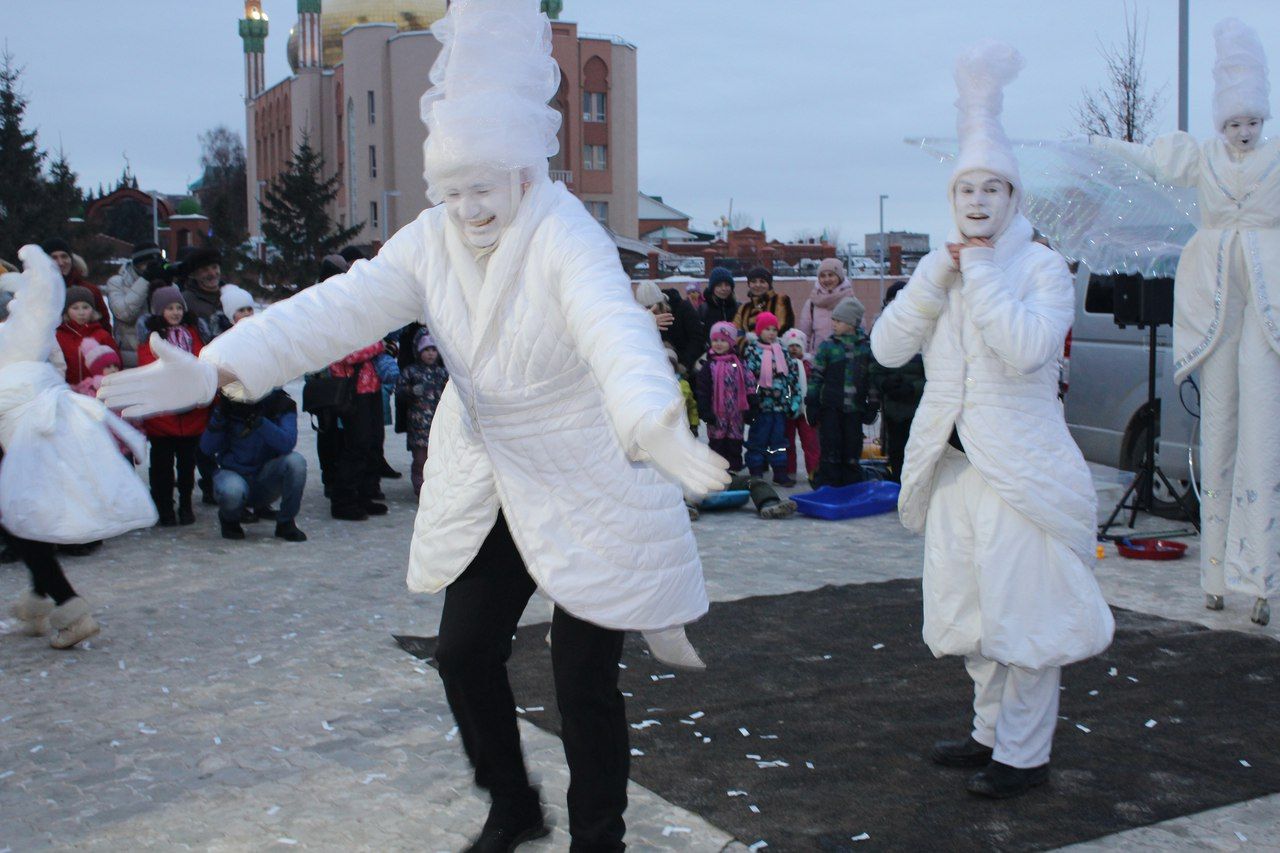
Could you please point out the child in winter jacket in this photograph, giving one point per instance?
(421, 385)
(777, 397)
(80, 323)
(722, 386)
(840, 400)
(690, 403)
(174, 438)
(796, 345)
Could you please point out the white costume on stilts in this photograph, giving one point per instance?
(1227, 315)
(1009, 523)
(560, 395)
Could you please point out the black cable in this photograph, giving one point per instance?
(1183, 400)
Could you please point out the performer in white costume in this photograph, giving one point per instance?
(63, 480)
(559, 394)
(992, 476)
(1226, 315)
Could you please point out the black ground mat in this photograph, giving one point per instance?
(811, 728)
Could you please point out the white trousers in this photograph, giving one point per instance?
(1240, 451)
(1015, 710)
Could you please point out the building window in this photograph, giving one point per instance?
(599, 211)
(373, 214)
(593, 158)
(593, 106)
(373, 161)
(373, 114)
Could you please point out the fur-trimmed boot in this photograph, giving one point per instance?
(73, 622)
(33, 612)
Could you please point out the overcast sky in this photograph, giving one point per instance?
(796, 111)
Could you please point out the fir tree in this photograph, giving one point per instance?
(22, 199)
(65, 195)
(296, 221)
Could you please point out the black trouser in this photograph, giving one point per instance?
(481, 610)
(207, 466)
(41, 558)
(328, 445)
(840, 447)
(896, 434)
(168, 452)
(360, 458)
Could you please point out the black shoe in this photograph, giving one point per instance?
(510, 825)
(185, 514)
(248, 516)
(81, 549)
(1000, 781)
(207, 498)
(375, 508)
(266, 512)
(232, 530)
(289, 532)
(167, 518)
(348, 513)
(388, 473)
(378, 495)
(961, 753)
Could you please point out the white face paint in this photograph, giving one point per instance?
(981, 203)
(1242, 132)
(479, 200)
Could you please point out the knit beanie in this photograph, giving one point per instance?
(720, 274)
(331, 265)
(795, 337)
(423, 340)
(765, 320)
(724, 331)
(648, 294)
(234, 298)
(144, 251)
(57, 244)
(75, 294)
(166, 296)
(758, 273)
(849, 310)
(832, 265)
(98, 356)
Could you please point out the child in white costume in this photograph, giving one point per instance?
(1227, 318)
(559, 391)
(992, 476)
(62, 480)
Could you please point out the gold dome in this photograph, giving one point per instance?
(407, 15)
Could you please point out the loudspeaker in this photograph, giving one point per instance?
(1139, 301)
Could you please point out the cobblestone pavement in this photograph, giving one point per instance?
(248, 695)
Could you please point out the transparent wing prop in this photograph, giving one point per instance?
(1097, 209)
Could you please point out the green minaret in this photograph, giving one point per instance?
(553, 8)
(253, 30)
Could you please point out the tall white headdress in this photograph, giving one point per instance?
(982, 72)
(490, 88)
(1240, 84)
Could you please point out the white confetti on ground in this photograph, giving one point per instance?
(286, 840)
(121, 665)
(1244, 763)
(1151, 724)
(217, 741)
(644, 724)
(668, 831)
(742, 731)
(271, 812)
(662, 677)
(1241, 835)
(369, 777)
(254, 660)
(753, 756)
(730, 793)
(1093, 693)
(754, 808)
(635, 751)
(862, 837)
(324, 724)
(1113, 672)
(452, 733)
(759, 845)
(809, 764)
(1131, 678)
(1082, 727)
(878, 646)
(697, 715)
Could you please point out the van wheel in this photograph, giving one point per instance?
(1164, 503)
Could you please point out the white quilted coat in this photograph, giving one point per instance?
(991, 342)
(549, 381)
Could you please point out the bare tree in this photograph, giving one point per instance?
(742, 219)
(1123, 107)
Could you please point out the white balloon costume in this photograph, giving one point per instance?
(1226, 316)
(561, 413)
(1008, 521)
(64, 479)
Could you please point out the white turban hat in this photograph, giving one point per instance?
(1240, 85)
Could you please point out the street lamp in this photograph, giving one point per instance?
(386, 211)
(261, 241)
(881, 242)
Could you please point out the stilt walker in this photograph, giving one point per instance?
(1226, 318)
(992, 477)
(559, 449)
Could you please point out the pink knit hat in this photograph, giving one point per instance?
(724, 331)
(765, 320)
(832, 265)
(98, 356)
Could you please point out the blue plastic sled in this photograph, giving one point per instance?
(725, 500)
(834, 503)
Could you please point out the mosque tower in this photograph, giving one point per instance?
(253, 30)
(310, 43)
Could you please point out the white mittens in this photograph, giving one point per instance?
(175, 382)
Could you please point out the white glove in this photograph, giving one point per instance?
(667, 442)
(175, 382)
(672, 647)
